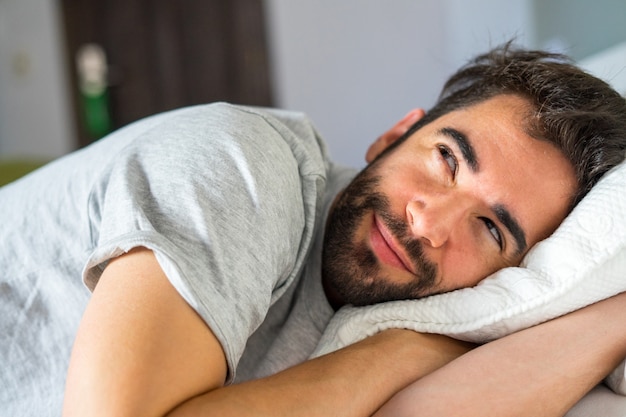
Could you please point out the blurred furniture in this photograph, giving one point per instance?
(12, 169)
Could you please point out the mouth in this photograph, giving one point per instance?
(385, 247)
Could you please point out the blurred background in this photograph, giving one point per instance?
(73, 70)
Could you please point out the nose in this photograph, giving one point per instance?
(435, 220)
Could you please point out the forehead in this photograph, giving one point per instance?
(528, 176)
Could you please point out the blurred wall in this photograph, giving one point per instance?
(355, 66)
(580, 27)
(592, 32)
(34, 109)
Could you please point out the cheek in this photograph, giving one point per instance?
(464, 267)
(408, 179)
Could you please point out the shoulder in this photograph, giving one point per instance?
(217, 132)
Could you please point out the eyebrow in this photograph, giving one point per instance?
(512, 225)
(502, 213)
(464, 145)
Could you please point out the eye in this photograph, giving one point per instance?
(449, 158)
(494, 231)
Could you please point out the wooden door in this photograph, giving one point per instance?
(164, 54)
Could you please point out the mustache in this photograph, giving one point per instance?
(414, 247)
(366, 197)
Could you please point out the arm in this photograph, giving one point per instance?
(142, 351)
(543, 370)
(354, 381)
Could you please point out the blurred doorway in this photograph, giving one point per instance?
(163, 54)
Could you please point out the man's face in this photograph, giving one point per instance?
(462, 197)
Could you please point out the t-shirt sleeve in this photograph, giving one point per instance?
(216, 193)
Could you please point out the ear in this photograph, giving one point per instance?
(393, 134)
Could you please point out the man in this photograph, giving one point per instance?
(201, 234)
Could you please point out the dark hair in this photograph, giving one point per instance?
(579, 113)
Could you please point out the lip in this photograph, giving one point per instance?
(386, 249)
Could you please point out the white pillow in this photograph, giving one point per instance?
(583, 262)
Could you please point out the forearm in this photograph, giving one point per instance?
(141, 350)
(354, 381)
(542, 371)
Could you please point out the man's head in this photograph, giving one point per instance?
(516, 139)
(580, 114)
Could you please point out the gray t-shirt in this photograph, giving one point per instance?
(232, 201)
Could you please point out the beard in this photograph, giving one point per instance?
(351, 272)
